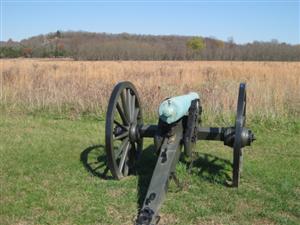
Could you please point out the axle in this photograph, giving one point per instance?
(225, 134)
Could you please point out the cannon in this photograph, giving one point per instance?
(179, 127)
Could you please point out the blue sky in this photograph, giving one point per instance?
(244, 20)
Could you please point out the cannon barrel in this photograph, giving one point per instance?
(172, 109)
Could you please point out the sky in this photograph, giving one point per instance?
(244, 20)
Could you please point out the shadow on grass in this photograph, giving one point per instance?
(93, 159)
(208, 167)
(212, 169)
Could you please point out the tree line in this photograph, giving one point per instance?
(124, 46)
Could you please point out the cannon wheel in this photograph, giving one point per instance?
(237, 145)
(123, 118)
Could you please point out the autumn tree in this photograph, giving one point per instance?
(196, 43)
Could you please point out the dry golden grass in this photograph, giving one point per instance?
(85, 86)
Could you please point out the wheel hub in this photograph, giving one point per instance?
(133, 132)
(246, 135)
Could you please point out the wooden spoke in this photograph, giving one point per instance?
(136, 113)
(123, 117)
(125, 106)
(132, 108)
(121, 148)
(120, 125)
(123, 157)
(129, 99)
(121, 136)
(126, 167)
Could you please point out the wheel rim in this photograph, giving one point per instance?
(239, 125)
(122, 142)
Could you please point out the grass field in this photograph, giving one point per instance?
(50, 175)
(83, 87)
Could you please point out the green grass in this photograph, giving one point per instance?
(46, 177)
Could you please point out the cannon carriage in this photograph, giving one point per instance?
(179, 127)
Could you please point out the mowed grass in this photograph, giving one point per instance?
(51, 174)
